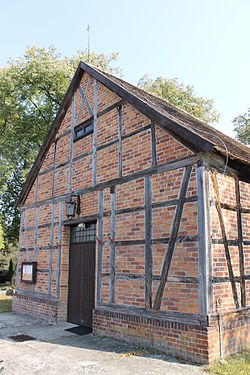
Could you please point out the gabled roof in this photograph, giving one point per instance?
(192, 132)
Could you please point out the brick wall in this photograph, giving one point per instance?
(223, 290)
(188, 341)
(130, 226)
(40, 241)
(34, 306)
(235, 334)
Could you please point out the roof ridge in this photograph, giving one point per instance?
(185, 127)
(158, 97)
(150, 94)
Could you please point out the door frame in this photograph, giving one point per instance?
(70, 231)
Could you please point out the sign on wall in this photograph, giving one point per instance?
(28, 274)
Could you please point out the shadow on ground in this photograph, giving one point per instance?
(56, 351)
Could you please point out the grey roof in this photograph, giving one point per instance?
(192, 132)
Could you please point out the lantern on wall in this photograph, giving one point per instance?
(70, 207)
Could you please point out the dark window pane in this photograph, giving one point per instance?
(88, 128)
(87, 234)
(79, 133)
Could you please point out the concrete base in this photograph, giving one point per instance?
(58, 352)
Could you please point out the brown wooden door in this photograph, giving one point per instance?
(81, 292)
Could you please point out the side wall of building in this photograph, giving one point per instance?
(230, 255)
(62, 174)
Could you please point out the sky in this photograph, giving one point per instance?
(205, 43)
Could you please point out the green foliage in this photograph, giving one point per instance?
(1, 238)
(10, 270)
(5, 304)
(1, 245)
(242, 127)
(181, 96)
(31, 90)
(238, 364)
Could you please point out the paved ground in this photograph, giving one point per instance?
(56, 351)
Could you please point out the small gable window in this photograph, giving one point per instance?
(82, 130)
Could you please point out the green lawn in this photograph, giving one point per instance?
(5, 303)
(238, 364)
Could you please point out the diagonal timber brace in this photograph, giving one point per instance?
(172, 239)
(79, 112)
(225, 241)
(240, 243)
(84, 97)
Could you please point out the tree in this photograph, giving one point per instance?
(10, 270)
(242, 127)
(1, 238)
(181, 96)
(2, 245)
(31, 90)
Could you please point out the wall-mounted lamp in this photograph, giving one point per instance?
(71, 206)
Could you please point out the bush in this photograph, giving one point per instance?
(4, 276)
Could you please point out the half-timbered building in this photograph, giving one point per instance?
(135, 220)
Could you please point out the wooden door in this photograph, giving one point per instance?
(81, 291)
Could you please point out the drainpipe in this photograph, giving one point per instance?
(220, 327)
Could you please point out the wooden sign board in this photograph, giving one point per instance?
(28, 274)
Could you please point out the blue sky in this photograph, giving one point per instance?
(205, 43)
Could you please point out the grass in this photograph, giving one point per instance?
(5, 303)
(238, 364)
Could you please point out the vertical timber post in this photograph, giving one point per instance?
(120, 139)
(35, 237)
(18, 254)
(58, 266)
(26, 236)
(153, 145)
(35, 241)
(205, 250)
(71, 142)
(54, 171)
(100, 249)
(94, 160)
(36, 222)
(51, 247)
(112, 246)
(148, 241)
